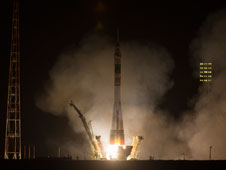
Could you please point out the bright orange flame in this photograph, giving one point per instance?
(112, 151)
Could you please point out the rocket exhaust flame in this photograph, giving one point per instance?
(112, 151)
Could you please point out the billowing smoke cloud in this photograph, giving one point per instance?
(85, 75)
(208, 123)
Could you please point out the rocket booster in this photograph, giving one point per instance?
(117, 130)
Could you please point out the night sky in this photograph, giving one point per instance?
(50, 27)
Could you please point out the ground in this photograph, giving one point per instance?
(113, 165)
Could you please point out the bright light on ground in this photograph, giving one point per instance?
(112, 151)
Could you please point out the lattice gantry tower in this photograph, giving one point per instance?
(13, 117)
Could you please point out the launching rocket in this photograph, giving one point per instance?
(117, 130)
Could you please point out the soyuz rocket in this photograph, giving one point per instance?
(117, 130)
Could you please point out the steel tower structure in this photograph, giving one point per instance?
(117, 130)
(13, 117)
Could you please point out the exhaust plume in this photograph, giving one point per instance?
(85, 75)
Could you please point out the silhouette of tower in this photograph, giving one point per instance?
(13, 121)
(117, 130)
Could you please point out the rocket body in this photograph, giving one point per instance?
(117, 130)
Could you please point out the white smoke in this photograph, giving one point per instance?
(85, 75)
(208, 122)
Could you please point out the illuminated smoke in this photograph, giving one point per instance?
(207, 124)
(85, 75)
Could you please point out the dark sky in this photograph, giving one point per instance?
(50, 27)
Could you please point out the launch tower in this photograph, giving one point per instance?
(13, 117)
(117, 130)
